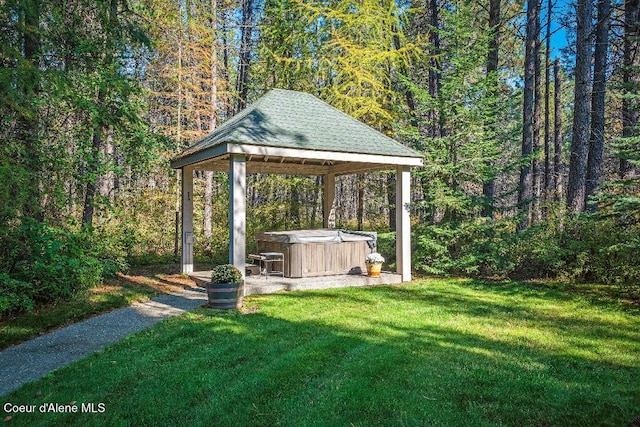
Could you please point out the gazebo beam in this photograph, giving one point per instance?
(403, 223)
(187, 220)
(237, 211)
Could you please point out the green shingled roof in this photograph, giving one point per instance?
(290, 119)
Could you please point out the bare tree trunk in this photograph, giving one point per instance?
(535, 162)
(391, 200)
(360, 209)
(213, 120)
(557, 131)
(525, 185)
(242, 86)
(92, 174)
(596, 142)
(294, 205)
(176, 236)
(488, 188)
(208, 208)
(630, 77)
(28, 123)
(435, 116)
(576, 195)
(547, 96)
(316, 199)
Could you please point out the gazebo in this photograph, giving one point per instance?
(293, 133)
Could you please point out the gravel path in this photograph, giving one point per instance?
(34, 359)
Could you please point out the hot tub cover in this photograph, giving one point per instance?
(317, 236)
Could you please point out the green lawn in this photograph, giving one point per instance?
(438, 352)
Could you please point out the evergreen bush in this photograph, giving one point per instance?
(40, 264)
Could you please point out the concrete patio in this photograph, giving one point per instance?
(271, 284)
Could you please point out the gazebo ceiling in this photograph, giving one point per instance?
(289, 132)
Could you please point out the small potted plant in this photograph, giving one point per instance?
(226, 289)
(374, 264)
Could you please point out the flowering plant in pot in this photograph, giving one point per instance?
(226, 289)
(374, 264)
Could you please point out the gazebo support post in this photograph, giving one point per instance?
(403, 223)
(237, 211)
(187, 220)
(329, 195)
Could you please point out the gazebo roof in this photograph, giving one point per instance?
(296, 133)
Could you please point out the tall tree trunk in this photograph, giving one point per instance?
(294, 205)
(28, 123)
(535, 161)
(360, 209)
(435, 117)
(525, 184)
(208, 208)
(92, 173)
(488, 188)
(391, 200)
(630, 77)
(576, 194)
(213, 120)
(176, 236)
(547, 96)
(596, 142)
(557, 131)
(242, 85)
(315, 201)
(225, 66)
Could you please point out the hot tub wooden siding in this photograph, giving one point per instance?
(319, 259)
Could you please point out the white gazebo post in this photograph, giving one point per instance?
(237, 211)
(403, 223)
(329, 197)
(187, 220)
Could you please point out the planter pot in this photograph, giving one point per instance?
(225, 296)
(373, 269)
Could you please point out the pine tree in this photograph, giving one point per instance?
(576, 193)
(596, 141)
(525, 188)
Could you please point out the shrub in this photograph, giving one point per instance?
(587, 248)
(15, 295)
(40, 263)
(226, 273)
(478, 247)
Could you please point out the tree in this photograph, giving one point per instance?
(630, 80)
(557, 131)
(576, 190)
(244, 56)
(525, 188)
(547, 95)
(488, 188)
(596, 141)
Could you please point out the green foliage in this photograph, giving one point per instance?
(226, 273)
(15, 295)
(587, 249)
(289, 48)
(386, 246)
(476, 248)
(40, 263)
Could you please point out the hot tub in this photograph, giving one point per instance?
(323, 252)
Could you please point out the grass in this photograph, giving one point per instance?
(437, 352)
(121, 291)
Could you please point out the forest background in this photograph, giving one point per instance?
(531, 151)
